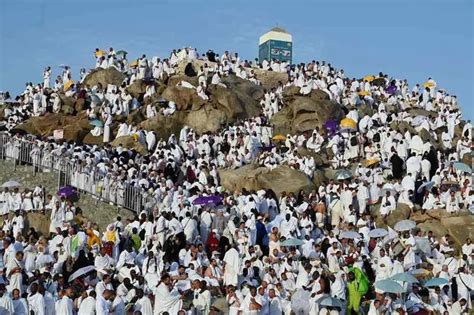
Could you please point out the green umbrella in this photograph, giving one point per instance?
(121, 52)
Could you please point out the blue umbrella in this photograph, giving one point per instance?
(404, 277)
(96, 123)
(435, 282)
(389, 286)
(425, 185)
(460, 166)
(292, 242)
(66, 191)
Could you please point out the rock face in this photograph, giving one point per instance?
(304, 113)
(130, 143)
(75, 127)
(252, 177)
(104, 77)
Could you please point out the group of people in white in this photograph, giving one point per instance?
(235, 255)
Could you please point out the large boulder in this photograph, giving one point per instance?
(304, 113)
(104, 77)
(137, 89)
(184, 98)
(164, 126)
(130, 143)
(75, 127)
(402, 212)
(252, 177)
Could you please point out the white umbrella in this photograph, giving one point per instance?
(329, 301)
(11, 184)
(404, 225)
(425, 185)
(418, 120)
(349, 234)
(80, 272)
(299, 302)
(378, 233)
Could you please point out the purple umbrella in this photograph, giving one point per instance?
(331, 125)
(207, 200)
(66, 191)
(392, 89)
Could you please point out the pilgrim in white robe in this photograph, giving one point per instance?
(144, 306)
(232, 267)
(166, 300)
(87, 306)
(65, 306)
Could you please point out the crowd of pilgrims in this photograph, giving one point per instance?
(177, 257)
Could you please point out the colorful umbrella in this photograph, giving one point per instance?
(404, 225)
(66, 191)
(207, 200)
(389, 286)
(404, 277)
(134, 64)
(378, 82)
(100, 53)
(121, 53)
(97, 123)
(462, 167)
(369, 78)
(364, 93)
(371, 162)
(428, 84)
(435, 282)
(11, 184)
(378, 233)
(279, 138)
(292, 242)
(348, 123)
(392, 89)
(331, 125)
(349, 235)
(68, 85)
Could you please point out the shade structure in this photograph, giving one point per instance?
(404, 225)
(435, 282)
(329, 301)
(425, 185)
(81, 272)
(68, 85)
(66, 191)
(291, 242)
(404, 277)
(389, 286)
(349, 235)
(343, 174)
(207, 200)
(348, 123)
(279, 138)
(378, 233)
(97, 123)
(462, 167)
(11, 184)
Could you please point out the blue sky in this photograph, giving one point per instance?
(404, 38)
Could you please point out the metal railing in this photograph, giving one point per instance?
(87, 179)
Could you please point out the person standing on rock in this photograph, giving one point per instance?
(47, 77)
(107, 123)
